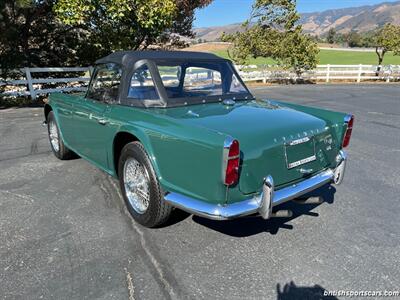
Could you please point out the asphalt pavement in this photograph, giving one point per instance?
(65, 232)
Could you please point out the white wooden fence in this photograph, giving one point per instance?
(30, 85)
(326, 73)
(34, 85)
(358, 72)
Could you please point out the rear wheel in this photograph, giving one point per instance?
(56, 142)
(140, 188)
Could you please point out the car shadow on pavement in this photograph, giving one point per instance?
(247, 226)
(177, 216)
(292, 291)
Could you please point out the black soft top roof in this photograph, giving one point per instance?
(129, 57)
(129, 61)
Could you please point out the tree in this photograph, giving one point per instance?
(299, 51)
(354, 39)
(183, 22)
(30, 36)
(118, 24)
(330, 38)
(253, 41)
(387, 39)
(273, 31)
(130, 24)
(340, 38)
(42, 33)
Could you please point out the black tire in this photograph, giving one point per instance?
(62, 152)
(158, 211)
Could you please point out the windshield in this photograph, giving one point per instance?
(208, 79)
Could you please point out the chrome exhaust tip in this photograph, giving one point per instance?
(310, 200)
(284, 213)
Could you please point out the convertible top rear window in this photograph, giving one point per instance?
(183, 79)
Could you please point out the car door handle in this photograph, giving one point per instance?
(102, 121)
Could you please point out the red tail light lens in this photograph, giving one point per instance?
(347, 135)
(234, 149)
(232, 168)
(231, 163)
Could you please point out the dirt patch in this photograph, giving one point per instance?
(327, 45)
(209, 47)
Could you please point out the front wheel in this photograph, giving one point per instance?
(140, 188)
(57, 145)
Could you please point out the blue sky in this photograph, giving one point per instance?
(222, 12)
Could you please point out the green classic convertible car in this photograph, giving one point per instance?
(181, 129)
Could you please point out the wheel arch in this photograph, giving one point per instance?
(47, 110)
(124, 137)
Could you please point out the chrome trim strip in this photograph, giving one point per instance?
(225, 153)
(347, 118)
(261, 204)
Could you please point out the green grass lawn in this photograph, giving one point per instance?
(337, 57)
(333, 57)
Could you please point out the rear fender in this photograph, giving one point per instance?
(186, 160)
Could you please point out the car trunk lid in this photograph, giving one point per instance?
(287, 144)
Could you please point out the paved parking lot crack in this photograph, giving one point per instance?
(163, 278)
(131, 287)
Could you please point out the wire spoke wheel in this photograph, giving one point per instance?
(54, 138)
(140, 188)
(137, 185)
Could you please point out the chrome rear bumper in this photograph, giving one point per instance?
(262, 203)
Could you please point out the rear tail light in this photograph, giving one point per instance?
(231, 157)
(349, 120)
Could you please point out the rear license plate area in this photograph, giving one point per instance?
(299, 152)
